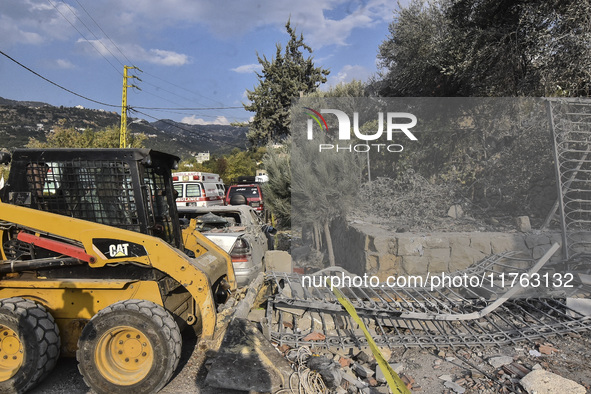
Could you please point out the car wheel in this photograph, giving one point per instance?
(130, 346)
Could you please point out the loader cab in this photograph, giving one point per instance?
(125, 188)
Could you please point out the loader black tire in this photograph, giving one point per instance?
(29, 344)
(131, 346)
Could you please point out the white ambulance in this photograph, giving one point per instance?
(198, 189)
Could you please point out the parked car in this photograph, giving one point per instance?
(248, 194)
(239, 231)
(198, 189)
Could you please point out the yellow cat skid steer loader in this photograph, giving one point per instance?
(93, 264)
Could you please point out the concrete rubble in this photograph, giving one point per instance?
(544, 382)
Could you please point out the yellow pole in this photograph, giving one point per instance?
(123, 132)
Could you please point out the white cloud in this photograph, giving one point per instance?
(347, 74)
(35, 22)
(248, 68)
(12, 34)
(192, 120)
(166, 58)
(64, 64)
(323, 22)
(135, 52)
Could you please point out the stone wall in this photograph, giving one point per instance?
(363, 248)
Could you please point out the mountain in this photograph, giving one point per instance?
(199, 138)
(21, 120)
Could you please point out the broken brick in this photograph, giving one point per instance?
(547, 349)
(314, 336)
(283, 348)
(407, 380)
(344, 361)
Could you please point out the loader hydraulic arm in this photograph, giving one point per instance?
(110, 245)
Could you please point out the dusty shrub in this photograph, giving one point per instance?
(410, 199)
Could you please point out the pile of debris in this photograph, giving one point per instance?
(482, 370)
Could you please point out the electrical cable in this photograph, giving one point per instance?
(84, 37)
(189, 109)
(106, 35)
(91, 32)
(128, 60)
(56, 84)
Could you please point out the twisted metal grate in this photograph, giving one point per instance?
(424, 317)
(570, 123)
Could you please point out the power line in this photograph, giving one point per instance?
(183, 88)
(106, 35)
(56, 84)
(84, 37)
(91, 32)
(189, 109)
(123, 54)
(185, 114)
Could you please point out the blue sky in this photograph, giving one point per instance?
(193, 53)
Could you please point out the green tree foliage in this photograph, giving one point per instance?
(277, 190)
(414, 55)
(324, 186)
(71, 138)
(277, 161)
(228, 167)
(281, 80)
(488, 48)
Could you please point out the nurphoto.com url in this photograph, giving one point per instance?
(436, 281)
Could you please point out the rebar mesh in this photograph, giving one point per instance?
(444, 316)
(570, 121)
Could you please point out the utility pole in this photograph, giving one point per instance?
(123, 132)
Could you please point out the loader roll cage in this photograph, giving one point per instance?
(125, 188)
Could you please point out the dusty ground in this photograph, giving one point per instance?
(427, 368)
(472, 370)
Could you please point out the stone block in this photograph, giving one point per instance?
(505, 242)
(411, 246)
(540, 381)
(383, 275)
(463, 256)
(438, 259)
(459, 239)
(384, 245)
(455, 211)
(367, 243)
(437, 254)
(414, 265)
(439, 266)
(278, 261)
(523, 224)
(530, 240)
(538, 252)
(481, 242)
(371, 263)
(533, 240)
(436, 242)
(389, 262)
